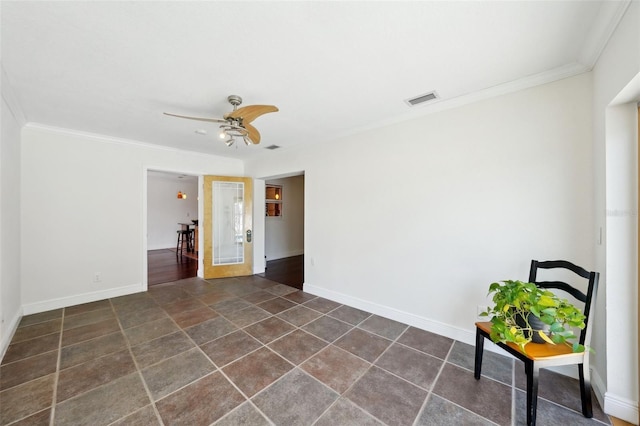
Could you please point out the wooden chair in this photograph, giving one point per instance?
(543, 355)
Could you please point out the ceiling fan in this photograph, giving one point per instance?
(237, 122)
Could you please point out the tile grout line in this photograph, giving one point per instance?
(435, 380)
(371, 365)
(238, 408)
(217, 369)
(341, 395)
(338, 398)
(248, 399)
(265, 346)
(446, 361)
(57, 373)
(138, 370)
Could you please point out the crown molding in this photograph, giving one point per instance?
(100, 137)
(116, 140)
(609, 16)
(560, 73)
(8, 94)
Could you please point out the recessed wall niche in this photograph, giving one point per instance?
(273, 202)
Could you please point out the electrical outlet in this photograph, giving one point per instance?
(97, 277)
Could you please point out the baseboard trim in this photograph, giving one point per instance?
(11, 330)
(599, 387)
(622, 408)
(285, 255)
(63, 302)
(417, 321)
(423, 323)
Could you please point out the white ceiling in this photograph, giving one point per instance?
(333, 68)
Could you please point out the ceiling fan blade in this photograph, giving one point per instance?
(253, 133)
(213, 120)
(250, 112)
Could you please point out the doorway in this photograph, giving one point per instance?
(163, 266)
(172, 206)
(284, 229)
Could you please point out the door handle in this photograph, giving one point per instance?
(248, 235)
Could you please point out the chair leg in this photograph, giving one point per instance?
(477, 370)
(585, 389)
(533, 373)
(180, 244)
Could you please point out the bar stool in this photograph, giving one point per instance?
(184, 236)
(191, 241)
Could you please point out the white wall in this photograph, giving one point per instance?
(10, 300)
(165, 210)
(414, 221)
(84, 210)
(284, 235)
(616, 189)
(621, 242)
(259, 263)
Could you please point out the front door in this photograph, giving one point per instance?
(227, 227)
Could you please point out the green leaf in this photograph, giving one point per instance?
(556, 327)
(569, 335)
(545, 337)
(546, 301)
(513, 297)
(493, 287)
(550, 311)
(547, 319)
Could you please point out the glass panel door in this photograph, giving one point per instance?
(228, 206)
(228, 223)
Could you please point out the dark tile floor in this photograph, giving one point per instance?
(255, 352)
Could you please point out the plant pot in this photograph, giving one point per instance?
(536, 324)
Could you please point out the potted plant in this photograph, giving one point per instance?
(524, 312)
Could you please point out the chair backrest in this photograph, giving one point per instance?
(588, 298)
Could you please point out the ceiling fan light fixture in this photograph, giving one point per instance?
(236, 124)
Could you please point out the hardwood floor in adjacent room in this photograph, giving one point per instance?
(165, 266)
(289, 271)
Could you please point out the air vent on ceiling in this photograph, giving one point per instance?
(272, 147)
(422, 99)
